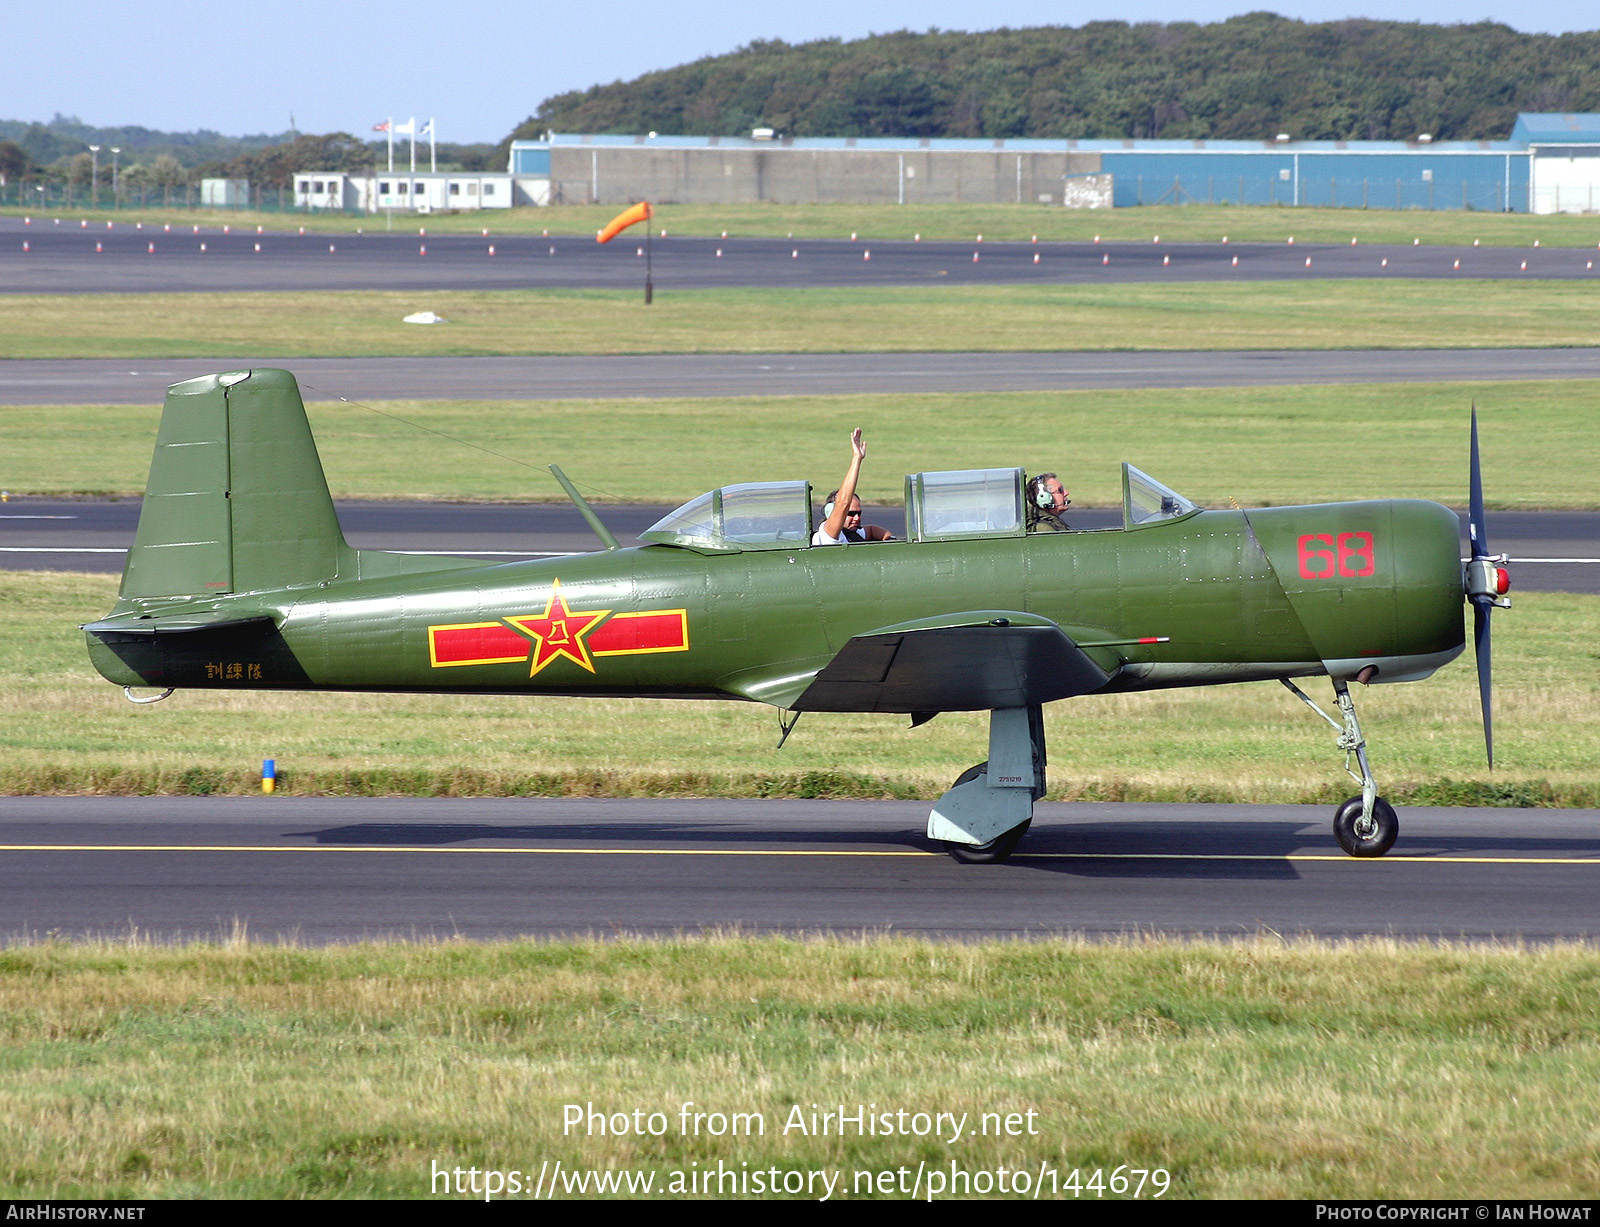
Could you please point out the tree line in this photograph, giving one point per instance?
(1247, 78)
(164, 167)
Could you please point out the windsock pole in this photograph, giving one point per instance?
(649, 287)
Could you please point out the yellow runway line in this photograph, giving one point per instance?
(1020, 856)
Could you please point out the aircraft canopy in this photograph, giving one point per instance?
(757, 515)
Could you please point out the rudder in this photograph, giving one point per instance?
(237, 500)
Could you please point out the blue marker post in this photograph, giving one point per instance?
(269, 774)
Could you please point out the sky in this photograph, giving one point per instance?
(479, 69)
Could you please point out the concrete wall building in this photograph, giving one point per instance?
(1550, 163)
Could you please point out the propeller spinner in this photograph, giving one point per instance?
(1487, 582)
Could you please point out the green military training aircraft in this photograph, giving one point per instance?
(240, 578)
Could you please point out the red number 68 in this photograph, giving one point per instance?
(1322, 558)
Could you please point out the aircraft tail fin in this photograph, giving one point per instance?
(237, 500)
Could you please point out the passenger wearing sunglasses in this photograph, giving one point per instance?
(841, 514)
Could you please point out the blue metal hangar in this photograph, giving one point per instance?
(1549, 164)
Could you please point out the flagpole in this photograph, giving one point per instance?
(390, 135)
(413, 134)
(433, 150)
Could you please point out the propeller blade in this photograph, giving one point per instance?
(1480, 643)
(1476, 525)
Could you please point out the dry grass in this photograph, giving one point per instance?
(1252, 1069)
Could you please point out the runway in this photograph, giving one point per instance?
(319, 870)
(79, 381)
(126, 258)
(93, 535)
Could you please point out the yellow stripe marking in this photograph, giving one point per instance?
(1020, 856)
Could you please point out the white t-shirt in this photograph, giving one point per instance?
(847, 536)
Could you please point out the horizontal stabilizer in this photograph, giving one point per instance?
(970, 661)
(178, 624)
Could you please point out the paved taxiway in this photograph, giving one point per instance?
(79, 381)
(74, 259)
(322, 870)
(93, 535)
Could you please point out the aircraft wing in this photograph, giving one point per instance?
(970, 661)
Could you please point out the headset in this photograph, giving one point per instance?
(1042, 498)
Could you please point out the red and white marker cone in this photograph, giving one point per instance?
(491, 249)
(423, 250)
(1106, 259)
(974, 257)
(152, 249)
(980, 238)
(330, 249)
(916, 238)
(867, 254)
(719, 253)
(1166, 260)
(1352, 240)
(1036, 257)
(1291, 240)
(227, 230)
(1524, 266)
(795, 254)
(1235, 262)
(1308, 261)
(24, 244)
(1384, 263)
(258, 247)
(98, 247)
(261, 229)
(422, 232)
(1036, 238)
(1457, 264)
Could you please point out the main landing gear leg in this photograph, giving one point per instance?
(1364, 825)
(990, 806)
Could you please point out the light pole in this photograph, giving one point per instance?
(94, 175)
(114, 152)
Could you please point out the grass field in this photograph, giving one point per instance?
(63, 729)
(1254, 1069)
(1174, 223)
(1257, 445)
(1402, 314)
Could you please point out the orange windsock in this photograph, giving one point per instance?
(641, 212)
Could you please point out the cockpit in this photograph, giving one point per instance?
(953, 505)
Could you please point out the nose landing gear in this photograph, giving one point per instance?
(1366, 825)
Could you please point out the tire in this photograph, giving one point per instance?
(993, 852)
(1381, 839)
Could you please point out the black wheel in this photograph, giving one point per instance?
(993, 852)
(1347, 828)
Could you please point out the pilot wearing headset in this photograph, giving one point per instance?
(1046, 499)
(841, 515)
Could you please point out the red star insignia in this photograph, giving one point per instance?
(558, 631)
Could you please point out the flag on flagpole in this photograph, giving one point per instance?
(383, 127)
(409, 128)
(427, 129)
